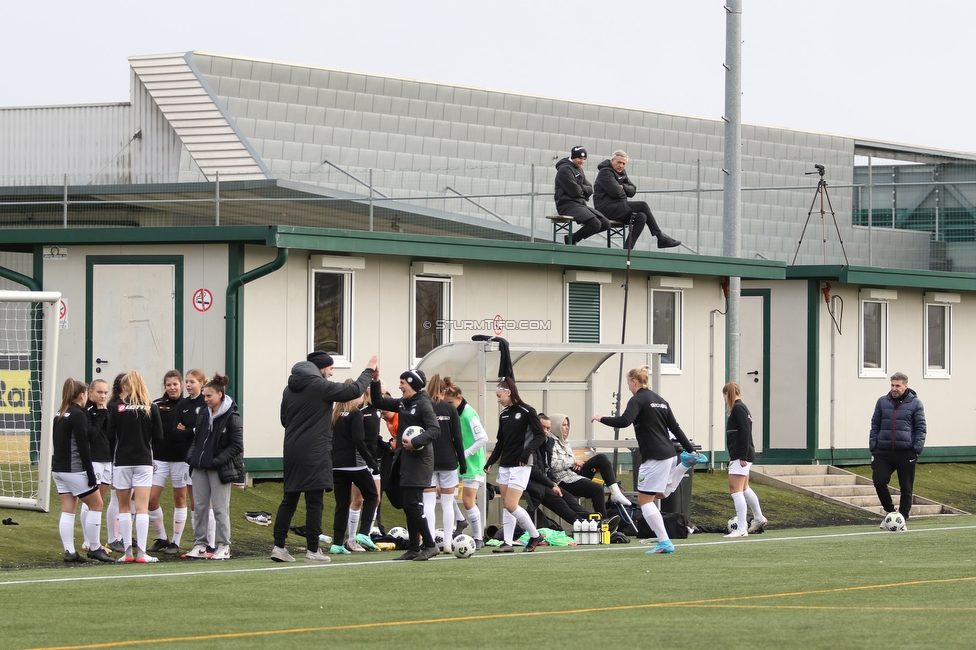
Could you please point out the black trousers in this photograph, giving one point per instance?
(343, 482)
(313, 517)
(883, 465)
(565, 507)
(587, 488)
(413, 508)
(589, 220)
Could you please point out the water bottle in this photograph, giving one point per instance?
(577, 532)
(325, 539)
(594, 537)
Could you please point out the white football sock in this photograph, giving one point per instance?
(739, 500)
(125, 529)
(752, 499)
(179, 524)
(448, 504)
(525, 521)
(430, 511)
(112, 517)
(474, 518)
(508, 526)
(158, 521)
(458, 515)
(142, 531)
(677, 474)
(66, 527)
(92, 527)
(353, 524)
(654, 519)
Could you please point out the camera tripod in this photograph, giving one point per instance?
(822, 193)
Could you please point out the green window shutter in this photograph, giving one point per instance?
(584, 312)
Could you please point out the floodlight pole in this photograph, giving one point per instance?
(732, 191)
(623, 341)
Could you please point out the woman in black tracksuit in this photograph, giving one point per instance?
(520, 434)
(416, 456)
(352, 464)
(74, 474)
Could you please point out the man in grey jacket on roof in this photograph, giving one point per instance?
(306, 414)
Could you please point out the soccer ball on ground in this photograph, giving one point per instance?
(412, 432)
(894, 521)
(464, 546)
(398, 533)
(733, 524)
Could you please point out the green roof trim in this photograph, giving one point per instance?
(461, 249)
(881, 277)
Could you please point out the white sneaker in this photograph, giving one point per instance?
(617, 496)
(355, 547)
(758, 524)
(222, 552)
(735, 534)
(198, 552)
(317, 556)
(281, 554)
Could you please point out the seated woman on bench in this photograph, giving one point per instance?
(576, 478)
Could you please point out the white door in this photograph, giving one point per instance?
(133, 321)
(752, 362)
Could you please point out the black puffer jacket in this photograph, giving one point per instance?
(898, 424)
(218, 443)
(416, 467)
(306, 414)
(571, 184)
(611, 192)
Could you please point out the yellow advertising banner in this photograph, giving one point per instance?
(15, 392)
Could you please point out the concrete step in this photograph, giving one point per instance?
(838, 486)
(824, 479)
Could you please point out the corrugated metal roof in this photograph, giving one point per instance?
(197, 116)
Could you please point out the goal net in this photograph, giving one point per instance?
(29, 396)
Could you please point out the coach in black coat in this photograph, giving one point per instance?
(416, 456)
(306, 415)
(612, 196)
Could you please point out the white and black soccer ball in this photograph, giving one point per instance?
(894, 521)
(398, 533)
(439, 538)
(733, 524)
(464, 546)
(412, 432)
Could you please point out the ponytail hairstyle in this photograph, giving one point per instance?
(435, 388)
(69, 395)
(509, 384)
(451, 389)
(344, 407)
(218, 383)
(117, 387)
(641, 374)
(134, 391)
(732, 393)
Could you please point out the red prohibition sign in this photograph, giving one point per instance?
(499, 324)
(202, 299)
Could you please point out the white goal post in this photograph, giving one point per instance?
(29, 396)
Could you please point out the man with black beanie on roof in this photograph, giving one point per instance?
(306, 415)
(572, 193)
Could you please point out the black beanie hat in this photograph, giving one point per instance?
(320, 359)
(416, 378)
(577, 152)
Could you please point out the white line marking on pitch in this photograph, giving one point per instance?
(586, 549)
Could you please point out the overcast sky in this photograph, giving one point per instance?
(889, 70)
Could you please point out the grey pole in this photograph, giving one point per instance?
(371, 200)
(732, 189)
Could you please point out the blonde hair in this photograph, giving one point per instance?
(134, 390)
(344, 407)
(641, 374)
(732, 393)
(69, 393)
(451, 389)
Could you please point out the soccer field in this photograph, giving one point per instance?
(852, 587)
